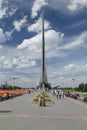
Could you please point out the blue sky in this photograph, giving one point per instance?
(65, 39)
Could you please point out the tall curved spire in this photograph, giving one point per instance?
(43, 78)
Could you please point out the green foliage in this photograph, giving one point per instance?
(16, 87)
(82, 87)
(56, 87)
(9, 87)
(76, 89)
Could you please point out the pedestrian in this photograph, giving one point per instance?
(59, 94)
(62, 94)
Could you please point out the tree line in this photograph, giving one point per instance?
(82, 87)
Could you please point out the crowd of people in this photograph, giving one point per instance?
(58, 93)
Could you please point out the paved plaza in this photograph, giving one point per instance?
(21, 114)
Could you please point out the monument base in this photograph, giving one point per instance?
(45, 86)
(43, 101)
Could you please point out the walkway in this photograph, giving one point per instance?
(20, 114)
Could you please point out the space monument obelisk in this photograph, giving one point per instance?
(43, 79)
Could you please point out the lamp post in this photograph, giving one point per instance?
(14, 83)
(73, 84)
(74, 81)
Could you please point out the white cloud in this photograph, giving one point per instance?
(76, 41)
(18, 62)
(6, 9)
(5, 63)
(18, 24)
(2, 58)
(67, 6)
(1, 46)
(75, 5)
(2, 36)
(72, 67)
(2, 9)
(31, 44)
(37, 5)
(61, 78)
(53, 38)
(26, 64)
(22, 62)
(15, 61)
(59, 5)
(11, 10)
(37, 26)
(34, 44)
(9, 34)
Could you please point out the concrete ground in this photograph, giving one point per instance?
(21, 114)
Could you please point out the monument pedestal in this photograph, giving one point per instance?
(42, 100)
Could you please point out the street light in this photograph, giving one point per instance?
(73, 84)
(14, 82)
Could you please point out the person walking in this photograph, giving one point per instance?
(57, 94)
(60, 94)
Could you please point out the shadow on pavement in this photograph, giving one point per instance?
(5, 111)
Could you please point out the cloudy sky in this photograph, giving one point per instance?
(65, 39)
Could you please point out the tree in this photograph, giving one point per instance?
(82, 87)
